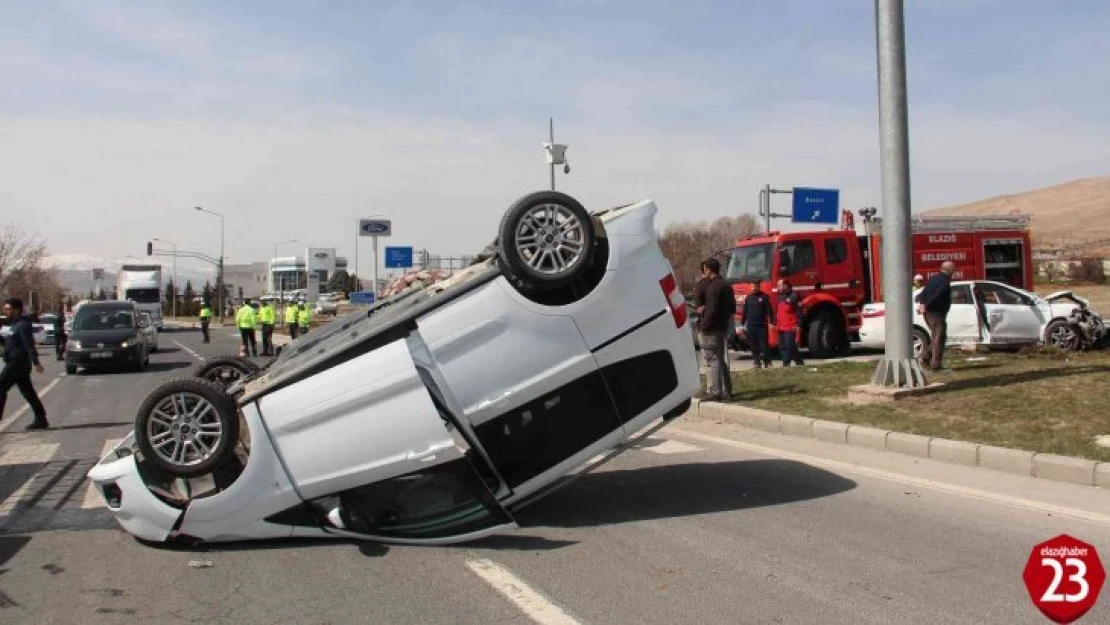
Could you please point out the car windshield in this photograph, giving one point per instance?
(750, 262)
(104, 319)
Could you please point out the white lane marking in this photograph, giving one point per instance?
(24, 454)
(532, 603)
(195, 355)
(963, 491)
(92, 495)
(8, 421)
(666, 447)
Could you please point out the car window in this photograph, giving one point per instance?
(998, 294)
(750, 262)
(103, 319)
(801, 254)
(961, 294)
(836, 251)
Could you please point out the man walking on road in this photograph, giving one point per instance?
(718, 307)
(205, 319)
(933, 302)
(20, 356)
(758, 316)
(246, 320)
(60, 332)
(268, 318)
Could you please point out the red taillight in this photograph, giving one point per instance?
(675, 300)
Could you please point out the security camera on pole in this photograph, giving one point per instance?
(375, 228)
(556, 152)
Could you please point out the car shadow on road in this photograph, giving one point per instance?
(168, 366)
(990, 381)
(681, 490)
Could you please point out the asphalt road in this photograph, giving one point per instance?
(705, 523)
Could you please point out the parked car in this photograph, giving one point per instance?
(1016, 317)
(326, 306)
(149, 331)
(434, 415)
(107, 333)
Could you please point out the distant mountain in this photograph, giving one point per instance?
(1069, 214)
(75, 271)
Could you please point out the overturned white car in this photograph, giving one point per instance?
(991, 313)
(433, 417)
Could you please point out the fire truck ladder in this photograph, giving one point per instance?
(971, 223)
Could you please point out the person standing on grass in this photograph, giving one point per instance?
(20, 357)
(714, 314)
(933, 302)
(758, 316)
(788, 313)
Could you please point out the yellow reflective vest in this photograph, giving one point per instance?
(290, 314)
(266, 315)
(205, 313)
(245, 318)
(304, 316)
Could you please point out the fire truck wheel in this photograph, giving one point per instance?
(825, 336)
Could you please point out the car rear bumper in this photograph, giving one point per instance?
(117, 479)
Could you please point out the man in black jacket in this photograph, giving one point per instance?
(758, 316)
(20, 356)
(714, 315)
(933, 303)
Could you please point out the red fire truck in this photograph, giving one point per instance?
(836, 271)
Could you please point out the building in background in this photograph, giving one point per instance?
(247, 281)
(289, 273)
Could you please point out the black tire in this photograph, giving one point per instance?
(1060, 334)
(920, 338)
(190, 392)
(71, 369)
(520, 220)
(226, 370)
(826, 336)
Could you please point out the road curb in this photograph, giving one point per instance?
(1043, 466)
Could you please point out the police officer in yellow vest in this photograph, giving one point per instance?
(246, 319)
(304, 318)
(267, 317)
(291, 319)
(205, 319)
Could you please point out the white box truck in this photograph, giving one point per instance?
(142, 284)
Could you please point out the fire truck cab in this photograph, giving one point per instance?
(836, 271)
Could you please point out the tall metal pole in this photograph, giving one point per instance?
(898, 367)
(765, 207)
(358, 233)
(375, 287)
(551, 137)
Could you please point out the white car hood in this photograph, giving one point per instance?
(1065, 295)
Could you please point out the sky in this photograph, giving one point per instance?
(295, 119)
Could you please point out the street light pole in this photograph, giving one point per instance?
(898, 368)
(220, 266)
(173, 305)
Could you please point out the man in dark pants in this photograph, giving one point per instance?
(60, 332)
(205, 320)
(717, 308)
(20, 356)
(757, 317)
(933, 302)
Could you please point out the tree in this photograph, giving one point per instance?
(23, 270)
(171, 293)
(686, 245)
(339, 281)
(1087, 270)
(190, 307)
(207, 293)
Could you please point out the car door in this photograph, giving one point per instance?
(963, 317)
(365, 437)
(1014, 317)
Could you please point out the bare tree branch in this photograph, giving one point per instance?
(686, 245)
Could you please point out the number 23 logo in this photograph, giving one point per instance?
(1051, 594)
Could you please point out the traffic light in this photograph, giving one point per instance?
(149, 248)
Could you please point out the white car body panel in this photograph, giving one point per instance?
(141, 513)
(343, 430)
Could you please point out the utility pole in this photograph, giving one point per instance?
(556, 153)
(220, 265)
(358, 234)
(173, 305)
(898, 368)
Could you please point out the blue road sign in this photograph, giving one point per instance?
(816, 206)
(362, 297)
(398, 257)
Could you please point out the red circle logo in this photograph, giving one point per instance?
(1064, 577)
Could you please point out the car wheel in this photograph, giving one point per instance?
(547, 239)
(187, 427)
(920, 343)
(1061, 335)
(226, 370)
(71, 369)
